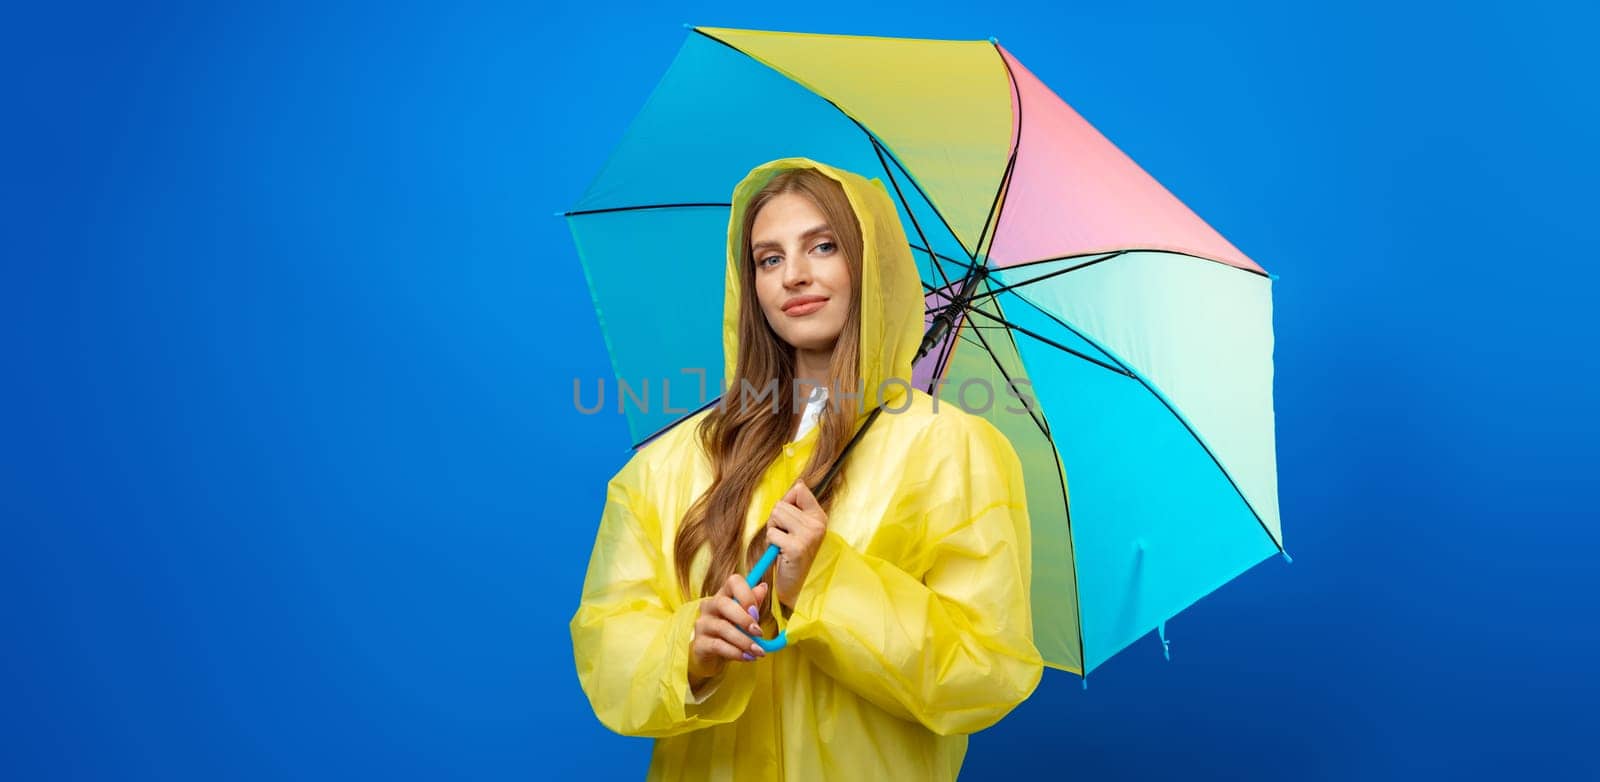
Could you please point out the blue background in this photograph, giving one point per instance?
(294, 486)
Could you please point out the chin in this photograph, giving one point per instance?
(811, 336)
(812, 343)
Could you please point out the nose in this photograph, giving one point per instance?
(797, 271)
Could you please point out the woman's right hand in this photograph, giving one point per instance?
(722, 630)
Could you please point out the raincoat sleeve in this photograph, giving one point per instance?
(630, 635)
(952, 646)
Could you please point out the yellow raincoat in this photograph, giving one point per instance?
(913, 627)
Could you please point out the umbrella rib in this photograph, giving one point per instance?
(1043, 277)
(965, 264)
(885, 150)
(975, 269)
(1162, 398)
(1066, 505)
(909, 213)
(1072, 561)
(1066, 509)
(997, 207)
(1043, 427)
(992, 219)
(1010, 266)
(965, 340)
(980, 268)
(637, 208)
(1061, 474)
(1048, 341)
(944, 350)
(675, 422)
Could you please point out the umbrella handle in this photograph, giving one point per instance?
(757, 573)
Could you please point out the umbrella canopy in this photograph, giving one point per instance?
(1118, 340)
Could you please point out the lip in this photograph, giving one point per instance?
(804, 305)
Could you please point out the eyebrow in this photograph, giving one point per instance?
(810, 232)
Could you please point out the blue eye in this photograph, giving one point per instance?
(825, 244)
(763, 261)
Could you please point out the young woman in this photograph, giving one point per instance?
(903, 586)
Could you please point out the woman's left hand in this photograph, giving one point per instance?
(797, 526)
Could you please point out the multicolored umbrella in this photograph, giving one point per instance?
(1066, 275)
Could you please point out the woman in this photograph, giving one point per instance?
(903, 587)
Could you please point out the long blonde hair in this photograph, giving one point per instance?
(742, 440)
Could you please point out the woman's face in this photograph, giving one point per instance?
(801, 277)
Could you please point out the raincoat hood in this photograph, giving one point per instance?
(892, 305)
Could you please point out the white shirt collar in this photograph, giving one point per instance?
(812, 412)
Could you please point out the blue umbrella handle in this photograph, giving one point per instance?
(756, 574)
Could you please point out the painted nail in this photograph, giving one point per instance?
(755, 629)
(754, 614)
(748, 657)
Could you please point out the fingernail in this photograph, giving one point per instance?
(748, 657)
(755, 629)
(754, 614)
